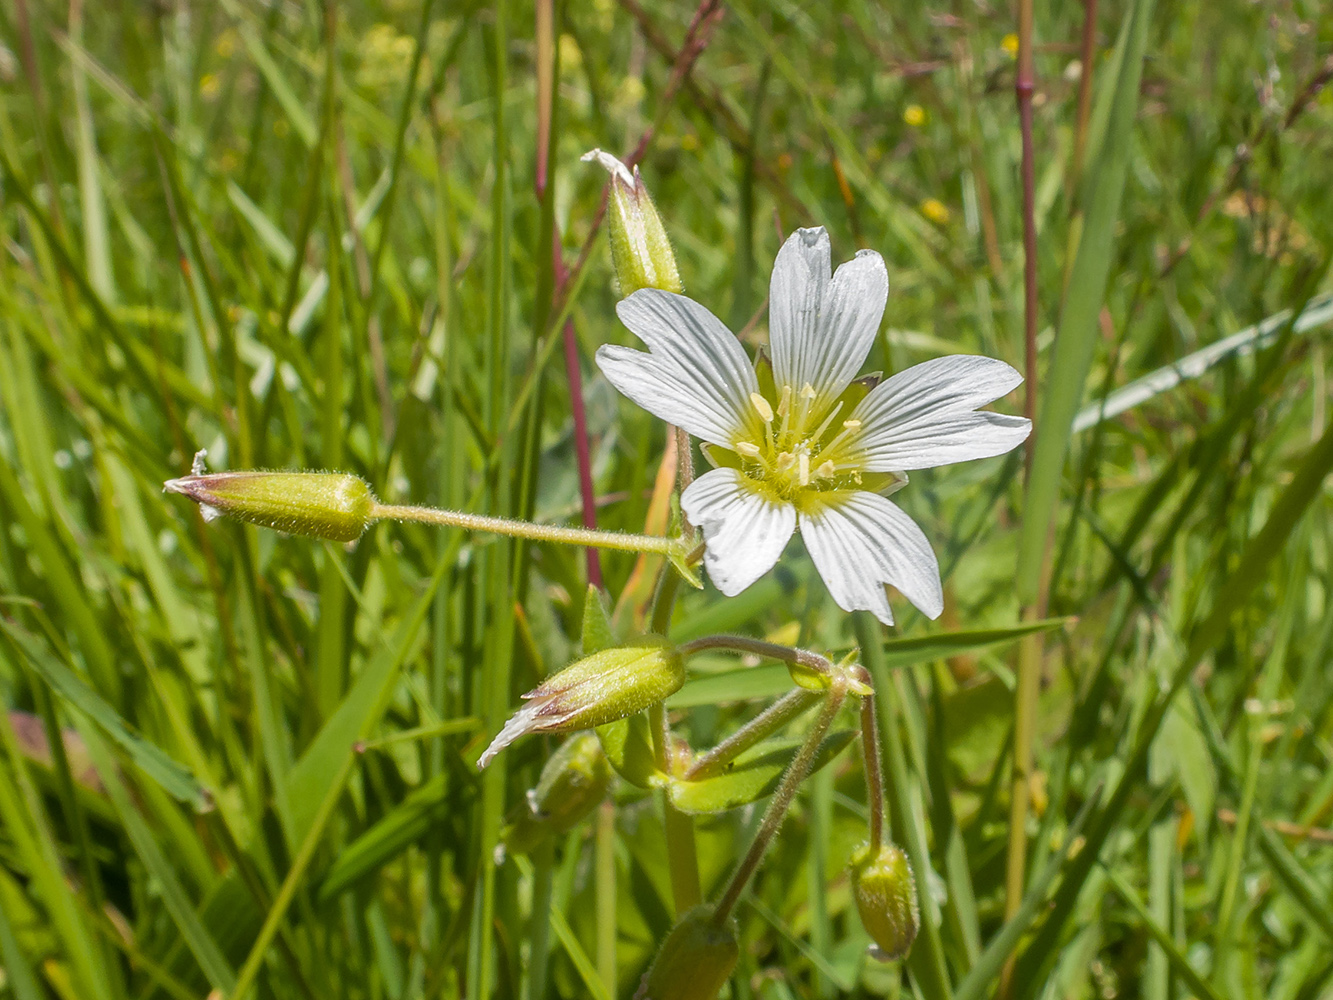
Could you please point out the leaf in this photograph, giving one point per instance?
(753, 775)
(597, 634)
(175, 778)
(744, 684)
(386, 839)
(1076, 340)
(196, 936)
(1317, 312)
(928, 648)
(629, 747)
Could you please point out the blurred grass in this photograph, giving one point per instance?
(301, 236)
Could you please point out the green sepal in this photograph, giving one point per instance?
(752, 776)
(597, 634)
(720, 458)
(809, 678)
(763, 371)
(628, 745)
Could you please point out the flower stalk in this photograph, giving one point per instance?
(620, 540)
(782, 799)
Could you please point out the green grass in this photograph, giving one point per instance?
(302, 238)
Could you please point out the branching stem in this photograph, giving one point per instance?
(796, 773)
(767, 722)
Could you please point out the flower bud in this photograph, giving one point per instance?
(572, 783)
(609, 685)
(332, 505)
(640, 249)
(695, 961)
(885, 894)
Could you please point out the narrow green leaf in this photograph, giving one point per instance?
(1076, 339)
(752, 776)
(404, 824)
(175, 778)
(197, 938)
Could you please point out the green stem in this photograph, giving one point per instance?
(526, 529)
(769, 721)
(606, 896)
(744, 644)
(874, 776)
(796, 773)
(927, 957)
(682, 855)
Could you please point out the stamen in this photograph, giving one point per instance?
(785, 461)
(784, 408)
(807, 395)
(747, 449)
(804, 458)
(761, 404)
(827, 420)
(826, 470)
(849, 429)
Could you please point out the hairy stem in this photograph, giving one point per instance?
(744, 644)
(767, 722)
(874, 776)
(796, 773)
(526, 529)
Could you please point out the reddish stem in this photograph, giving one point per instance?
(574, 374)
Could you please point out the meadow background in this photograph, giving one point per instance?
(305, 236)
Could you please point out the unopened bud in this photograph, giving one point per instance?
(640, 249)
(609, 685)
(332, 505)
(572, 784)
(695, 961)
(885, 894)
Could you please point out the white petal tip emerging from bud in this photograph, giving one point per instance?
(612, 165)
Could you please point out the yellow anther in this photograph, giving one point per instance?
(826, 470)
(852, 425)
(784, 401)
(807, 391)
(747, 449)
(761, 404)
(785, 461)
(805, 468)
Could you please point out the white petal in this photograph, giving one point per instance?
(864, 541)
(696, 374)
(821, 330)
(927, 415)
(744, 532)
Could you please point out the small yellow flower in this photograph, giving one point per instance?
(209, 86)
(935, 210)
(689, 142)
(915, 115)
(1010, 45)
(226, 44)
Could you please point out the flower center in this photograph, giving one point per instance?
(804, 447)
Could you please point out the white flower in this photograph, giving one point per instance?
(798, 444)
